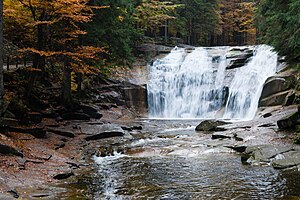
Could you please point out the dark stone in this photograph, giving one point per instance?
(63, 175)
(267, 115)
(267, 125)
(8, 150)
(290, 99)
(218, 136)
(91, 110)
(104, 135)
(36, 131)
(61, 132)
(289, 122)
(75, 116)
(239, 149)
(14, 193)
(211, 125)
(125, 128)
(274, 100)
(49, 113)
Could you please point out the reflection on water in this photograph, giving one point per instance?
(181, 166)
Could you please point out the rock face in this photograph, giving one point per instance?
(211, 125)
(238, 57)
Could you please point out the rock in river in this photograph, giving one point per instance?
(211, 125)
(103, 135)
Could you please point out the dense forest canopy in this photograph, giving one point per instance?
(81, 37)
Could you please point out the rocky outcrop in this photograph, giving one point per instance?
(278, 90)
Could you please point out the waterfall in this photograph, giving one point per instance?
(209, 82)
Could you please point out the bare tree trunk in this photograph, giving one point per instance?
(1, 59)
(66, 89)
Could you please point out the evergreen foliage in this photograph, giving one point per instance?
(278, 22)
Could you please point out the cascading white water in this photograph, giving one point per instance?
(195, 85)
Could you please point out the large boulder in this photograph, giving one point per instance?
(277, 84)
(211, 125)
(274, 100)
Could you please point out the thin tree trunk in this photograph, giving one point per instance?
(66, 89)
(1, 59)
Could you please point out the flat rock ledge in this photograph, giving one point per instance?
(276, 156)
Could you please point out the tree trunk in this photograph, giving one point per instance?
(66, 89)
(1, 59)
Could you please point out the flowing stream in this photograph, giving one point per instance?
(167, 159)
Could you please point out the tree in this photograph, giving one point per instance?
(278, 22)
(1, 57)
(58, 37)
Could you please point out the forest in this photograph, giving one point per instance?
(149, 99)
(87, 37)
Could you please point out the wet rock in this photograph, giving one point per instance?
(91, 110)
(286, 160)
(63, 175)
(274, 100)
(219, 136)
(211, 125)
(75, 116)
(267, 115)
(8, 150)
(239, 149)
(103, 135)
(125, 128)
(264, 153)
(61, 132)
(289, 122)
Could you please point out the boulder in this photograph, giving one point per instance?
(219, 136)
(35, 117)
(275, 85)
(103, 135)
(287, 160)
(75, 116)
(211, 125)
(264, 153)
(91, 110)
(274, 100)
(289, 122)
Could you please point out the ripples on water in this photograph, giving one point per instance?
(183, 167)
